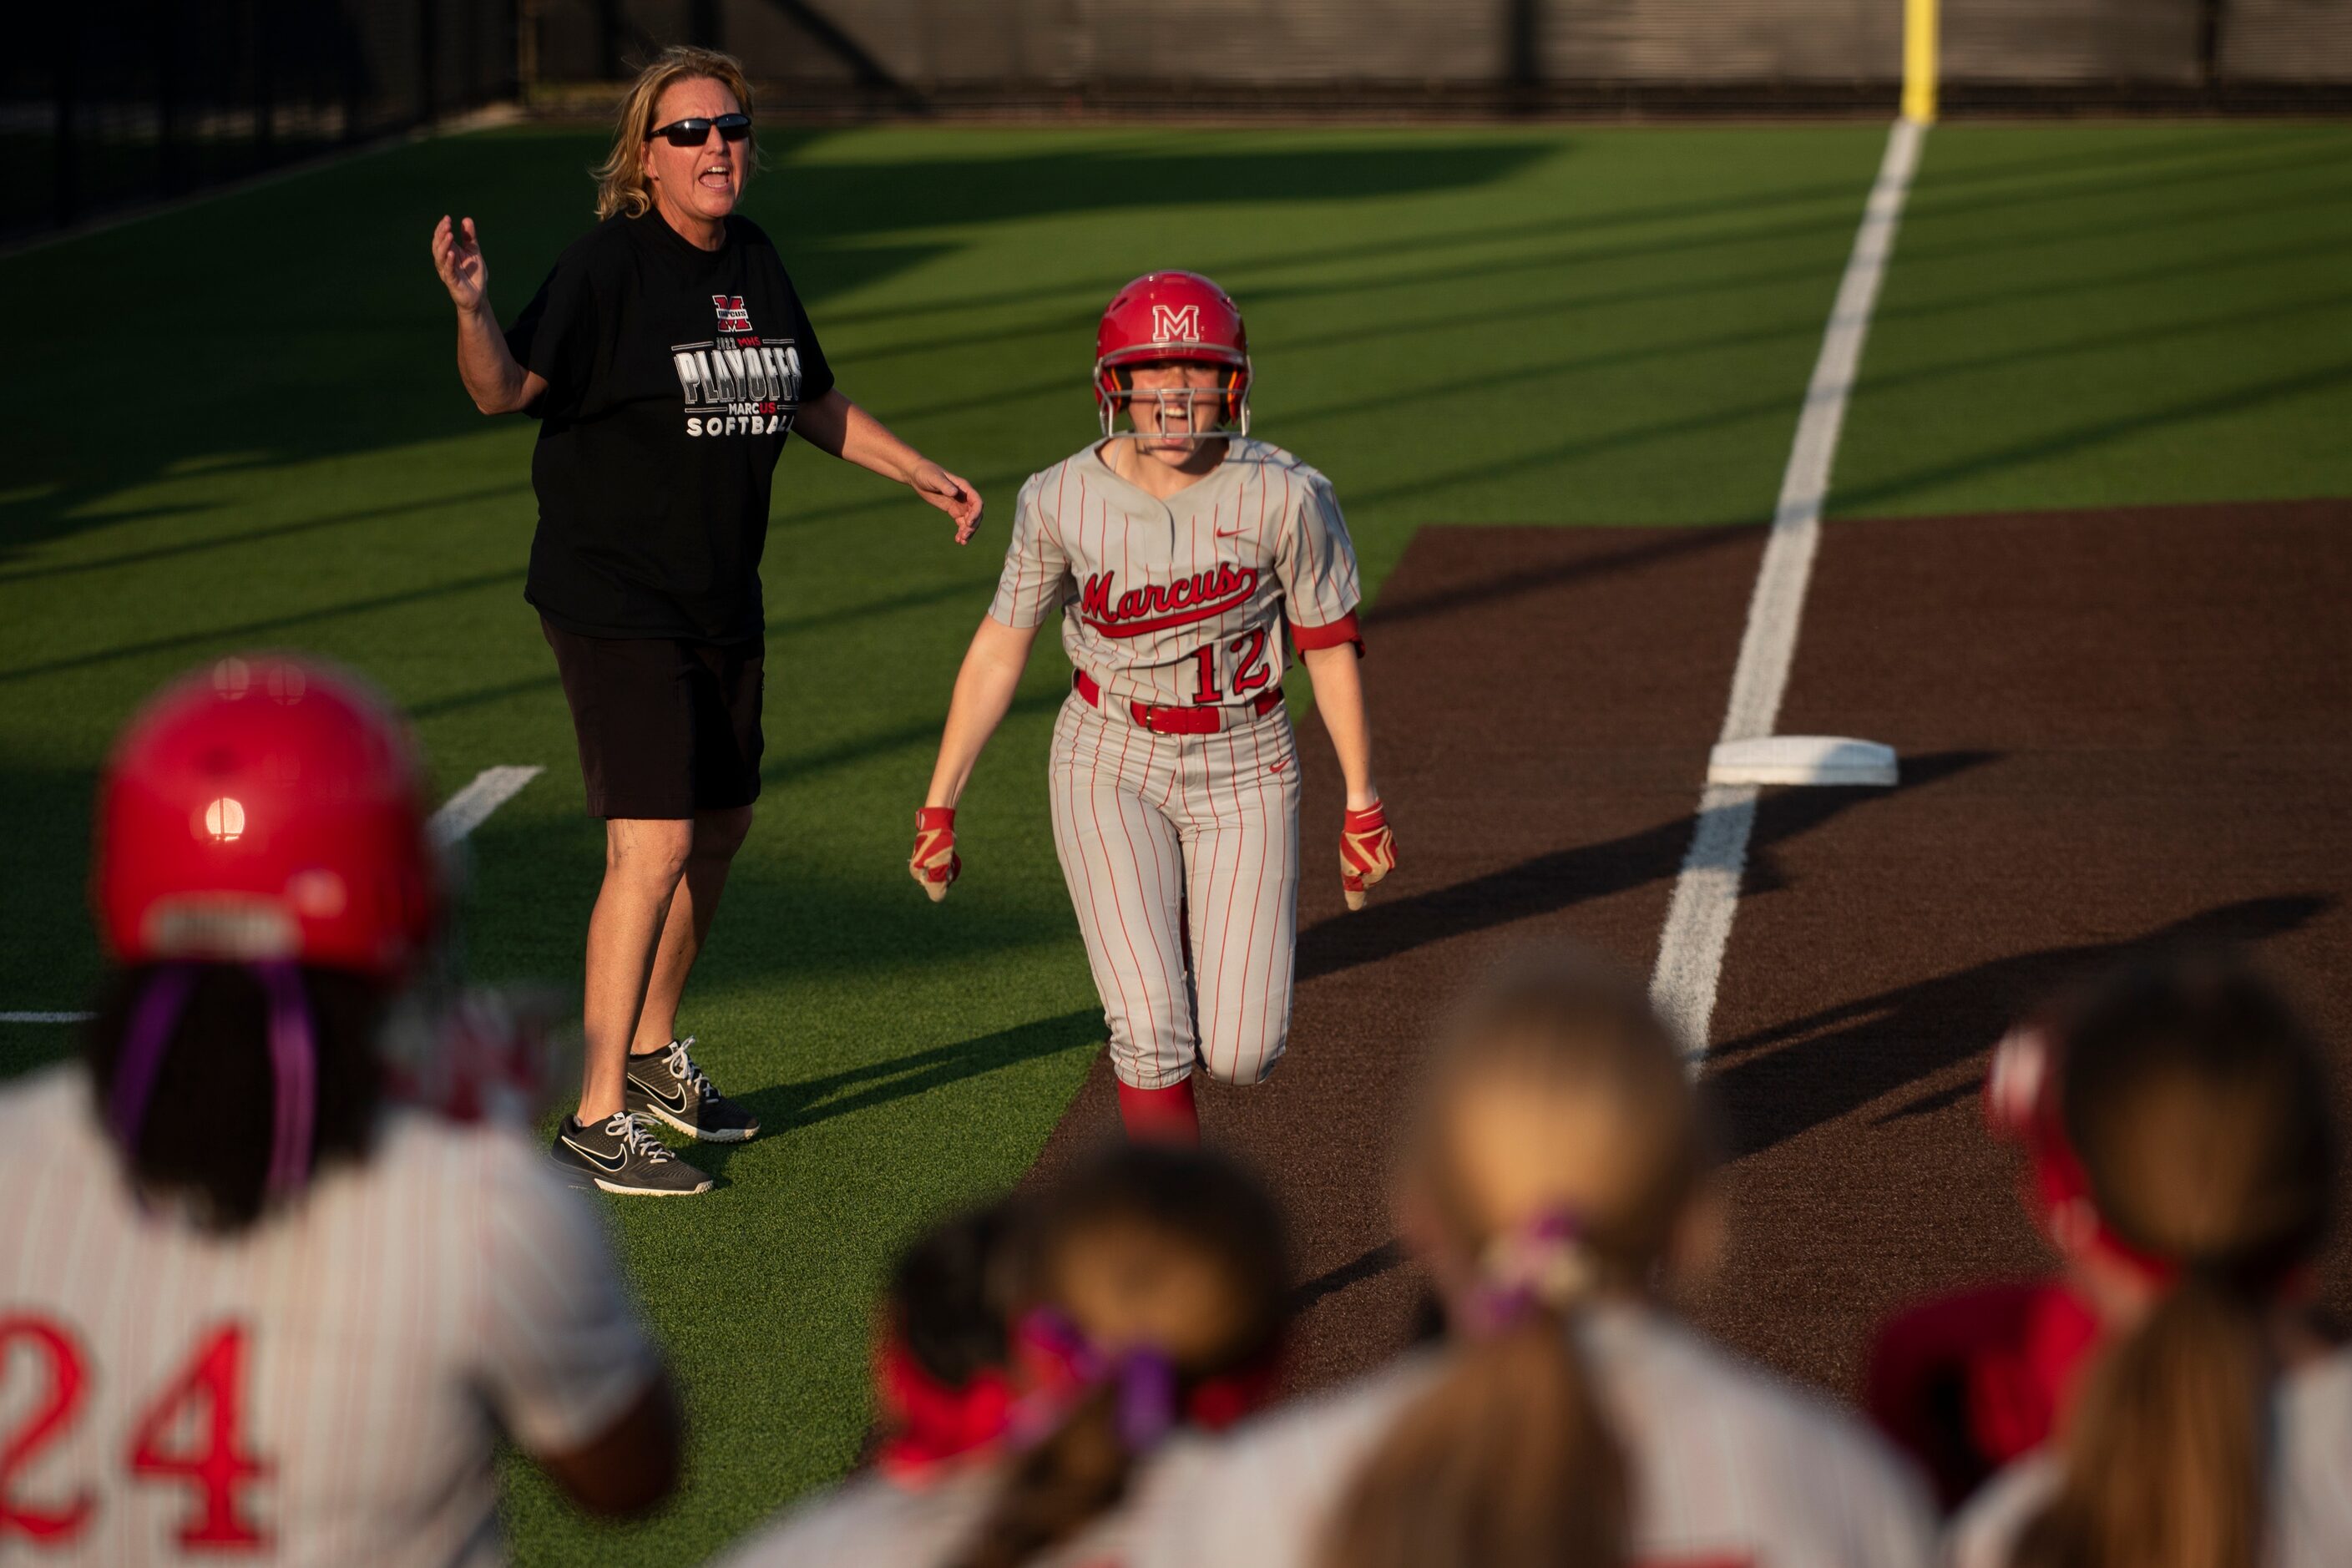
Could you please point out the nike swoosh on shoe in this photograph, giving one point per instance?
(597, 1160)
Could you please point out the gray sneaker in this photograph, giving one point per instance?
(668, 1085)
(624, 1156)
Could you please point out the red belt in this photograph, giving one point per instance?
(1202, 721)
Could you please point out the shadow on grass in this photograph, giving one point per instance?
(349, 353)
(785, 1107)
(48, 952)
(1668, 545)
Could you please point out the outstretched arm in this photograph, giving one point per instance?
(984, 694)
(495, 382)
(835, 425)
(1339, 699)
(983, 691)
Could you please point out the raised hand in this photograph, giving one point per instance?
(1366, 852)
(457, 258)
(955, 497)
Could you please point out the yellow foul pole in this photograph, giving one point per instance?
(1919, 61)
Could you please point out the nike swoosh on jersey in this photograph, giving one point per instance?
(596, 1159)
(1231, 533)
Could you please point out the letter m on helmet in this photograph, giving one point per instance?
(1176, 324)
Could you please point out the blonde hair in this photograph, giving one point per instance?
(1510, 1460)
(621, 185)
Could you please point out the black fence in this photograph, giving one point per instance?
(109, 106)
(1409, 58)
(105, 106)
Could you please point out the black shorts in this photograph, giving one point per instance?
(666, 727)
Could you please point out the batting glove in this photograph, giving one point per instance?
(1367, 851)
(935, 863)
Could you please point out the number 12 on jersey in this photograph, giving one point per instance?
(1250, 672)
(189, 1435)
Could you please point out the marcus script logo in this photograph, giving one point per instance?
(1156, 606)
(1176, 324)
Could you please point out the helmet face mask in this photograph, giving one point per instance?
(1166, 319)
(1173, 406)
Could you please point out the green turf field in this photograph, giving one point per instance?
(238, 424)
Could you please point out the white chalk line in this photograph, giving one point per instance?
(458, 816)
(471, 806)
(1707, 892)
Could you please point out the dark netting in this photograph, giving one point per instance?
(109, 106)
(1416, 56)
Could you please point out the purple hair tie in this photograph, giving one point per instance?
(1147, 1398)
(1143, 1380)
(152, 1018)
(1542, 1263)
(294, 1060)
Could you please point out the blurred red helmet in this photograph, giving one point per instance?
(2023, 1105)
(268, 808)
(1179, 315)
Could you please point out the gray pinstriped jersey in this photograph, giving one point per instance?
(1732, 1467)
(2307, 1520)
(1183, 602)
(344, 1368)
(875, 1522)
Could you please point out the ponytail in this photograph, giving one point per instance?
(1079, 1472)
(1509, 1462)
(1094, 1406)
(2164, 1460)
(2192, 1116)
(1556, 1152)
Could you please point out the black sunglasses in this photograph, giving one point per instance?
(695, 132)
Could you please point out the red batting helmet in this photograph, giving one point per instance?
(1179, 315)
(268, 808)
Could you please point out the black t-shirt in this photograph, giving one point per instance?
(673, 374)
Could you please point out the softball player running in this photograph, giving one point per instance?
(1185, 561)
(1556, 1167)
(248, 1306)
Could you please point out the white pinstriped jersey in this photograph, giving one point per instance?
(2309, 1522)
(324, 1389)
(1182, 603)
(874, 1522)
(1732, 1467)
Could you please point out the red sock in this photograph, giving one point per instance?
(1159, 1115)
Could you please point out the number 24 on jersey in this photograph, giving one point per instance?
(190, 1436)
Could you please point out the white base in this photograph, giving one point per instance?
(1802, 760)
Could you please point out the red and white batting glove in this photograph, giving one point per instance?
(935, 863)
(1367, 851)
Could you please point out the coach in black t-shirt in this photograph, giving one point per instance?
(666, 358)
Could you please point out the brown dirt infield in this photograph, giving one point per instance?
(2117, 730)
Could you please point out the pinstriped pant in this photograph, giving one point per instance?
(1152, 829)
